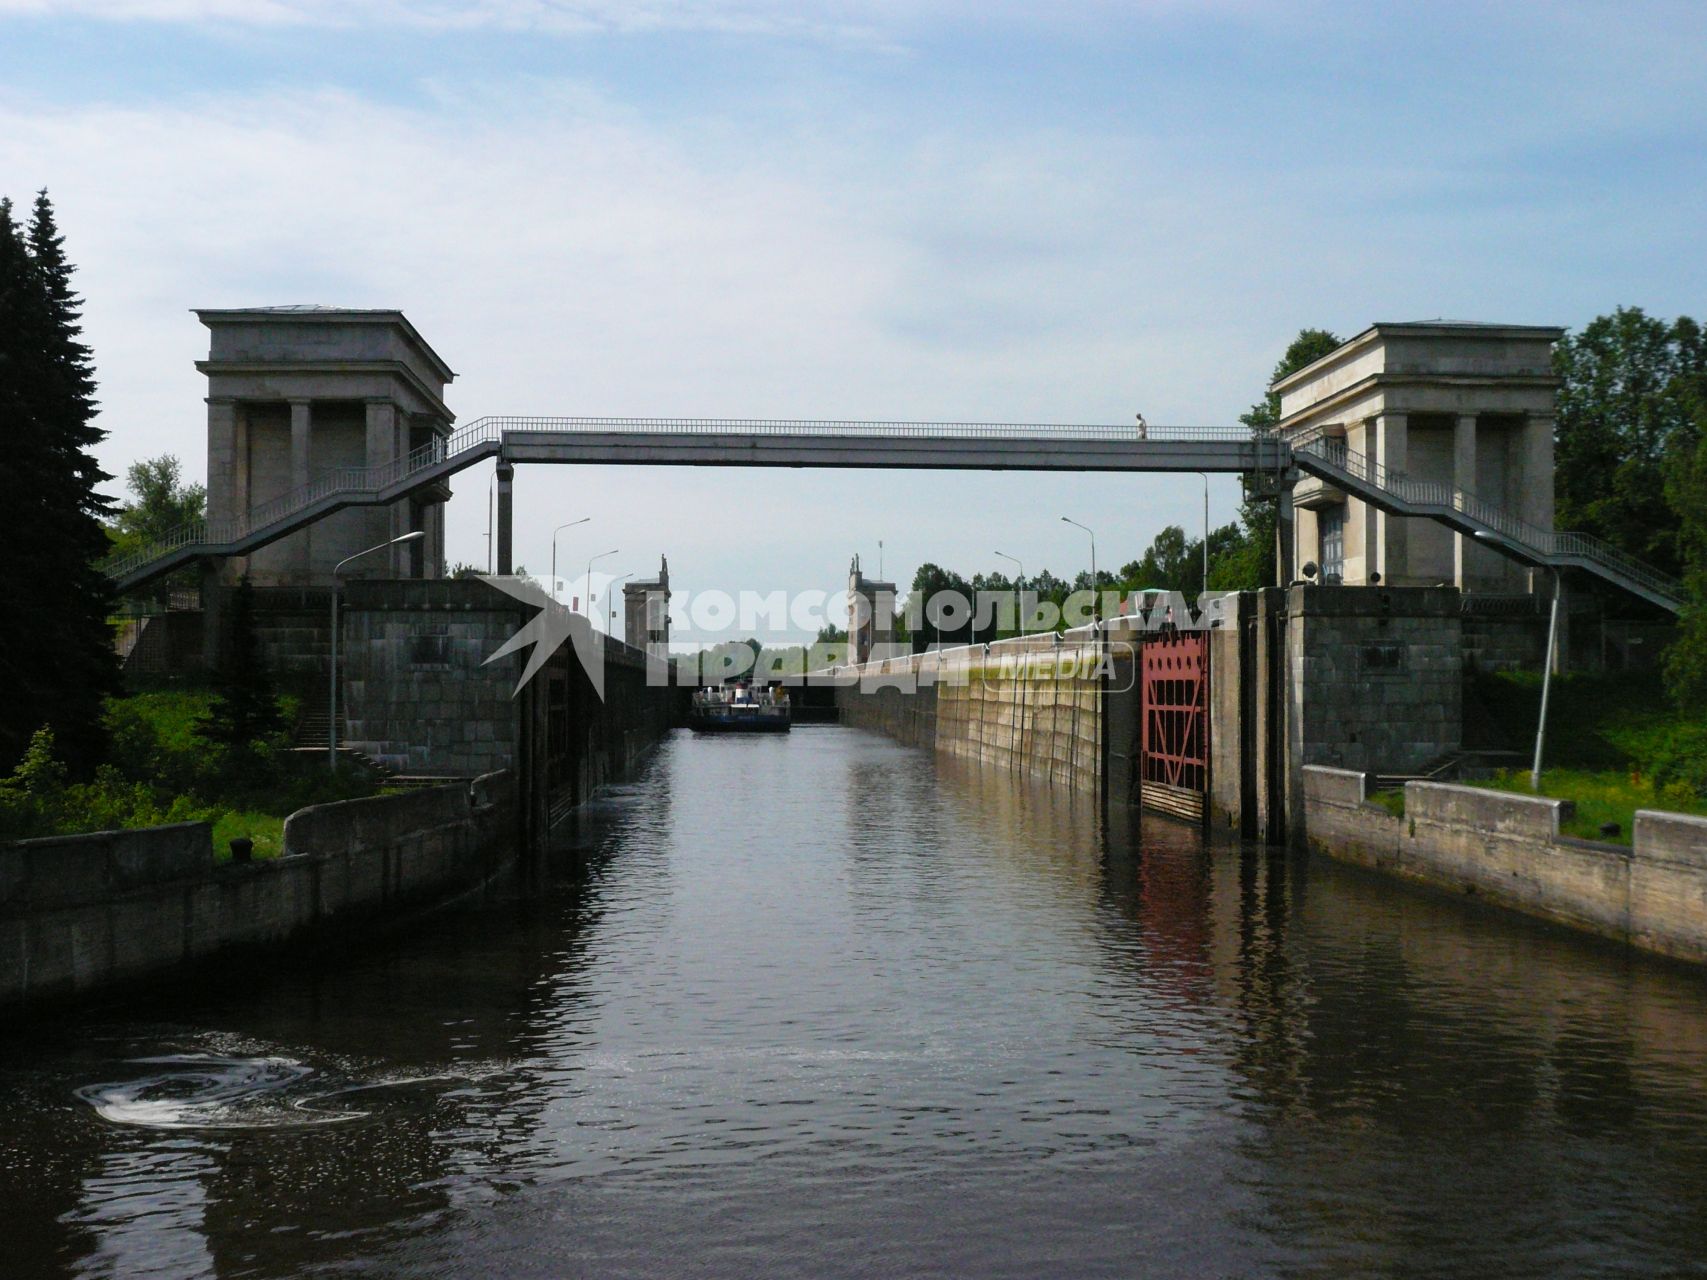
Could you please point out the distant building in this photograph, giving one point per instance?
(296, 394)
(646, 612)
(1468, 405)
(871, 614)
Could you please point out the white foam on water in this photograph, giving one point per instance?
(208, 1091)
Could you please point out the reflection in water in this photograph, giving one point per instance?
(825, 1005)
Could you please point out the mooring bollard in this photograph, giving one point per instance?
(242, 849)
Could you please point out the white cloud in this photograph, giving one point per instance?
(570, 251)
(567, 259)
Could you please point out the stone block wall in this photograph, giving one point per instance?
(1377, 676)
(84, 913)
(1042, 720)
(57, 870)
(1505, 642)
(906, 715)
(1507, 849)
(418, 692)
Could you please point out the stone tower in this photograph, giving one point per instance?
(1468, 405)
(298, 393)
(646, 612)
(871, 615)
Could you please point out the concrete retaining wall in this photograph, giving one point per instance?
(1507, 848)
(81, 913)
(1038, 713)
(908, 716)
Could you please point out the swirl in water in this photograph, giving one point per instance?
(211, 1091)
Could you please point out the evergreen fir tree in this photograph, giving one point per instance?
(56, 651)
(245, 709)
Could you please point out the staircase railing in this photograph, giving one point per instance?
(333, 482)
(1548, 545)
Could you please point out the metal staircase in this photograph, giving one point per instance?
(334, 489)
(1327, 457)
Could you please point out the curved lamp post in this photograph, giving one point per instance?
(590, 563)
(559, 529)
(332, 706)
(1019, 591)
(1096, 593)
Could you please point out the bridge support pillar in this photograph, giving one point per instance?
(506, 501)
(213, 592)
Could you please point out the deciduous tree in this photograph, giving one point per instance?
(1248, 561)
(1623, 411)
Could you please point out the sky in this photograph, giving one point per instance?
(940, 209)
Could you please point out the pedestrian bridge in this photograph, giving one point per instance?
(720, 442)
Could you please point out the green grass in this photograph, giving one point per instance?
(1600, 797)
(171, 713)
(1392, 801)
(265, 829)
(1615, 744)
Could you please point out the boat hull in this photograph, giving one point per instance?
(725, 720)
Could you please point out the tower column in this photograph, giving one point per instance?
(1533, 496)
(301, 428)
(1391, 438)
(1466, 558)
(381, 451)
(1534, 490)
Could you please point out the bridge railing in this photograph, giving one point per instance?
(1547, 544)
(484, 433)
(891, 429)
(487, 434)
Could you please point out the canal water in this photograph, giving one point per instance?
(821, 1005)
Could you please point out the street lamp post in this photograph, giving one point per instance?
(1096, 613)
(1019, 592)
(590, 563)
(559, 529)
(332, 706)
(1547, 681)
(491, 487)
(1547, 662)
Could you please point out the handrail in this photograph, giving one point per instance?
(487, 432)
(876, 428)
(1548, 545)
(487, 435)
